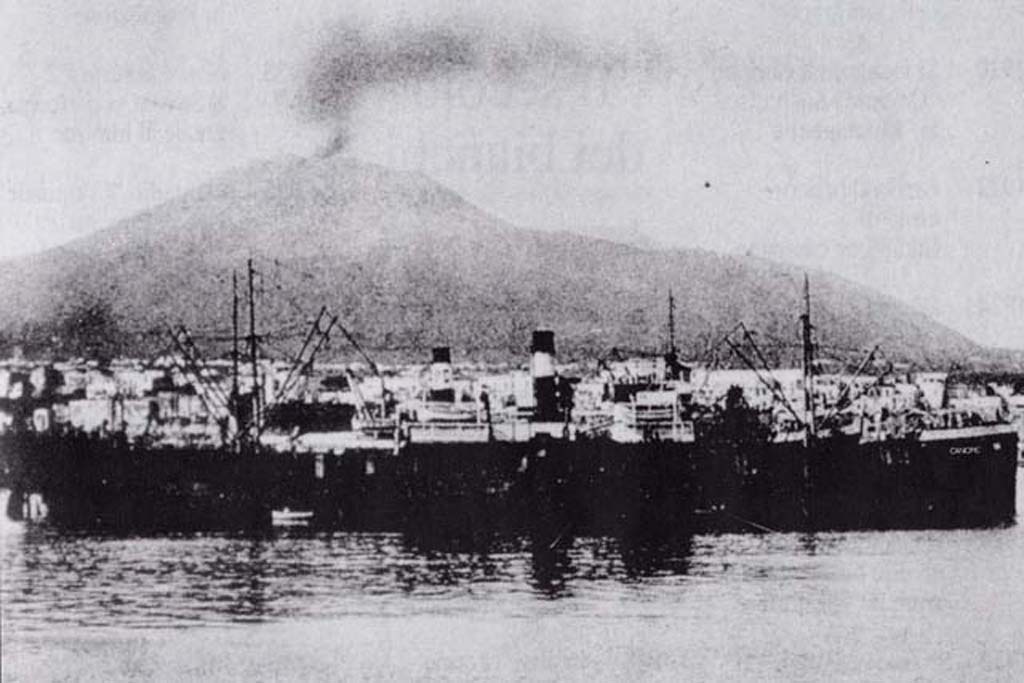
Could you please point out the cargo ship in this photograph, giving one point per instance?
(634, 448)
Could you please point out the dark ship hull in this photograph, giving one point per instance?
(592, 486)
(966, 478)
(107, 483)
(961, 479)
(91, 482)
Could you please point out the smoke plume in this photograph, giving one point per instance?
(351, 61)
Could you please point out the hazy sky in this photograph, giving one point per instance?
(881, 140)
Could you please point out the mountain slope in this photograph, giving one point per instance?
(408, 263)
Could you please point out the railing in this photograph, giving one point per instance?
(640, 415)
(877, 428)
(442, 411)
(447, 432)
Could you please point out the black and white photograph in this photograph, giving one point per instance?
(558, 341)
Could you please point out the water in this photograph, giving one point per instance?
(857, 606)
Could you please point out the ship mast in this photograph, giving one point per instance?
(234, 340)
(253, 356)
(808, 363)
(671, 356)
(671, 324)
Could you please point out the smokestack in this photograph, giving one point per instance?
(542, 369)
(543, 341)
(440, 383)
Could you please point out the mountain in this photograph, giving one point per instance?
(407, 264)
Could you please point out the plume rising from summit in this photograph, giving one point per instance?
(351, 60)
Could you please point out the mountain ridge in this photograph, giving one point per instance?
(408, 263)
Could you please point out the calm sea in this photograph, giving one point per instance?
(929, 605)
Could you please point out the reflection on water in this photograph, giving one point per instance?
(55, 577)
(943, 604)
(473, 602)
(58, 578)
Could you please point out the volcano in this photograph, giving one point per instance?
(407, 264)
